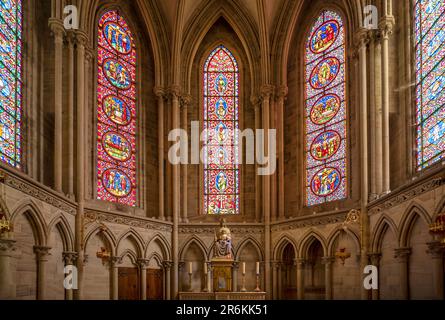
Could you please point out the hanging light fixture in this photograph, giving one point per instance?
(103, 253)
(5, 224)
(342, 254)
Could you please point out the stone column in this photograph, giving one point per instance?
(328, 261)
(300, 263)
(58, 30)
(437, 254)
(372, 116)
(7, 283)
(69, 258)
(266, 93)
(386, 26)
(143, 265)
(209, 276)
(70, 38)
(402, 257)
(42, 254)
(167, 273)
(186, 100)
(281, 97)
(234, 276)
(280, 281)
(81, 40)
(375, 261)
(275, 271)
(377, 128)
(114, 277)
(160, 94)
(362, 40)
(256, 104)
(175, 93)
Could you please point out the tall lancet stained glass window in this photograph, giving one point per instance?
(430, 81)
(10, 82)
(221, 121)
(116, 111)
(325, 111)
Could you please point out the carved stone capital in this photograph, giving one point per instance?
(386, 26)
(267, 91)
(143, 263)
(236, 265)
(436, 250)
(255, 101)
(181, 265)
(7, 246)
(42, 252)
(375, 258)
(276, 264)
(167, 265)
(160, 92)
(186, 100)
(114, 261)
(361, 37)
(282, 92)
(300, 262)
(81, 38)
(174, 92)
(70, 258)
(57, 28)
(402, 254)
(327, 260)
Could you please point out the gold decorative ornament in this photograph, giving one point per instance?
(438, 228)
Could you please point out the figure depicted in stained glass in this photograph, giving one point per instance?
(221, 171)
(326, 110)
(324, 37)
(117, 110)
(116, 129)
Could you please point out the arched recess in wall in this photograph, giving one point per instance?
(220, 35)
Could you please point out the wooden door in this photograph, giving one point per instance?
(154, 284)
(128, 288)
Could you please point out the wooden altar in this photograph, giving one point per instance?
(222, 296)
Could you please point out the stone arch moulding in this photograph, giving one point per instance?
(107, 236)
(151, 20)
(281, 245)
(288, 25)
(379, 230)
(201, 22)
(336, 233)
(63, 227)
(134, 237)
(307, 241)
(163, 244)
(244, 243)
(33, 213)
(157, 257)
(415, 211)
(188, 242)
(132, 255)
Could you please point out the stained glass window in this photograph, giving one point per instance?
(10, 82)
(430, 81)
(325, 119)
(116, 111)
(221, 116)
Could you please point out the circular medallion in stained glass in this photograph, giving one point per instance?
(325, 109)
(325, 145)
(117, 110)
(325, 182)
(324, 73)
(117, 74)
(116, 146)
(117, 37)
(436, 89)
(116, 183)
(221, 108)
(324, 37)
